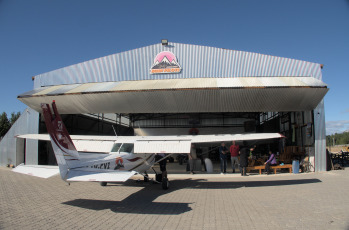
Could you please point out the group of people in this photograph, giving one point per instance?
(235, 152)
(244, 153)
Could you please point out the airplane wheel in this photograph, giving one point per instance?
(158, 177)
(146, 179)
(103, 183)
(165, 183)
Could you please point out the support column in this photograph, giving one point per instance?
(320, 137)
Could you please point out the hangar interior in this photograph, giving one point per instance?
(194, 90)
(295, 126)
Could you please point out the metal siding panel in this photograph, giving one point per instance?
(81, 88)
(34, 91)
(167, 86)
(63, 89)
(272, 82)
(28, 122)
(196, 61)
(176, 101)
(48, 90)
(320, 137)
(100, 87)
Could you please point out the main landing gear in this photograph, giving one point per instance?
(146, 177)
(159, 179)
(162, 178)
(103, 183)
(165, 184)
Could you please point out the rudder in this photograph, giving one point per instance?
(66, 154)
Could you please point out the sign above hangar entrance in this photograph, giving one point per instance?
(165, 62)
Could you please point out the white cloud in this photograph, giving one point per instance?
(333, 127)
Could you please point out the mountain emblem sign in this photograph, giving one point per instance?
(165, 62)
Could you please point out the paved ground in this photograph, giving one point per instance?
(283, 201)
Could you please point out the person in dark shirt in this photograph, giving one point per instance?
(244, 153)
(223, 157)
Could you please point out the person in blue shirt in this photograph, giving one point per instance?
(270, 161)
(223, 151)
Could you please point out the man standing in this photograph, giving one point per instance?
(223, 157)
(192, 157)
(234, 152)
(244, 153)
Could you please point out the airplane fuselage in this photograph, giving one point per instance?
(119, 162)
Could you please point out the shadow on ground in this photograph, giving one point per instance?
(142, 201)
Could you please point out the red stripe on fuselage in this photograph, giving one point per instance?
(134, 159)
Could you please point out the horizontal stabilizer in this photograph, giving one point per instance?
(96, 144)
(81, 175)
(43, 171)
(46, 137)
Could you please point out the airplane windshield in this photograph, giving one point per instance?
(116, 147)
(123, 147)
(126, 147)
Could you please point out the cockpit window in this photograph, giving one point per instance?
(126, 147)
(123, 147)
(116, 147)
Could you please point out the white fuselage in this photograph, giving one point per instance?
(116, 161)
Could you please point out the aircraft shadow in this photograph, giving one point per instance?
(142, 202)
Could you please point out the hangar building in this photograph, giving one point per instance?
(173, 88)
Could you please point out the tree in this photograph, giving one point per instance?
(338, 139)
(4, 124)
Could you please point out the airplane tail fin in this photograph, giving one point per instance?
(66, 154)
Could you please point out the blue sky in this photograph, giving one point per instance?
(38, 36)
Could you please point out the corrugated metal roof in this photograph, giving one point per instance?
(196, 62)
(199, 95)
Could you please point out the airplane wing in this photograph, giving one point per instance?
(46, 137)
(153, 144)
(182, 144)
(81, 175)
(43, 171)
(235, 137)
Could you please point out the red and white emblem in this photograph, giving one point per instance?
(165, 62)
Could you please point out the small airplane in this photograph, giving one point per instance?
(129, 155)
